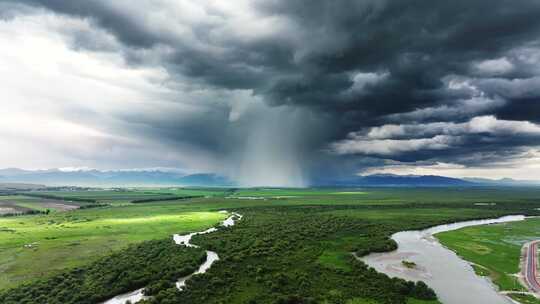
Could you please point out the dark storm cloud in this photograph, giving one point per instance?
(356, 64)
(124, 26)
(418, 43)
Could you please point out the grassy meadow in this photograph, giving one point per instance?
(33, 246)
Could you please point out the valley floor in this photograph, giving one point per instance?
(292, 246)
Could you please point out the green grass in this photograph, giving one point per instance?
(335, 259)
(404, 214)
(106, 196)
(329, 196)
(188, 191)
(126, 196)
(64, 240)
(392, 196)
(292, 192)
(93, 194)
(481, 271)
(524, 299)
(495, 248)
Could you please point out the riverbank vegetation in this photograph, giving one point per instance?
(408, 264)
(151, 263)
(495, 250)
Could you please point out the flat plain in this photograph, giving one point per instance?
(292, 245)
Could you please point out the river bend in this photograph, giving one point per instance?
(182, 240)
(452, 278)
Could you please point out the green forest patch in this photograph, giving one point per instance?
(335, 259)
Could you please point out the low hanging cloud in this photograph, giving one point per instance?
(191, 84)
(393, 146)
(481, 124)
(520, 166)
(457, 110)
(494, 67)
(388, 140)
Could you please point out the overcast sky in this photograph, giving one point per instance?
(273, 92)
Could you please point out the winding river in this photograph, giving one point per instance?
(452, 278)
(183, 240)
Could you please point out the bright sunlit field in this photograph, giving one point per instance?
(33, 246)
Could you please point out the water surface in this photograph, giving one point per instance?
(182, 240)
(452, 278)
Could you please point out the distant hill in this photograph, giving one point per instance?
(391, 180)
(20, 186)
(56, 177)
(503, 182)
(157, 177)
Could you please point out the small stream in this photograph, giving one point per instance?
(183, 240)
(452, 278)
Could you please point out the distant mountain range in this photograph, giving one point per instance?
(157, 177)
(19, 186)
(503, 182)
(57, 177)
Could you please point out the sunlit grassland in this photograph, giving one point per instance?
(34, 246)
(495, 248)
